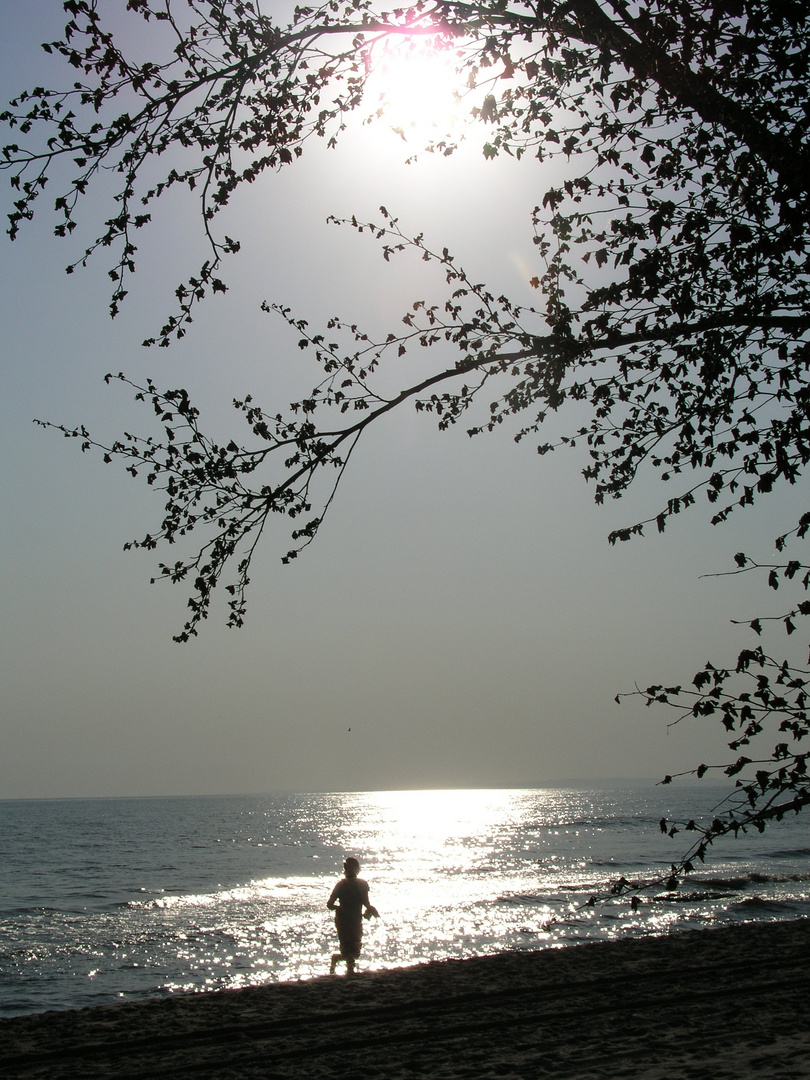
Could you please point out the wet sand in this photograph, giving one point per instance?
(727, 1004)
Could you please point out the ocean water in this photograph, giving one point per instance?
(105, 900)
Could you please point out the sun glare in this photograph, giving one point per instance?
(413, 85)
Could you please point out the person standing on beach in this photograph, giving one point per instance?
(347, 900)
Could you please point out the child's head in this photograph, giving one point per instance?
(351, 868)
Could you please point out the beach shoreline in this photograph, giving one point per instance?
(713, 1003)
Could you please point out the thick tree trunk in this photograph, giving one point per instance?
(786, 158)
(587, 21)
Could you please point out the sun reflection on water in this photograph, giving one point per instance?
(453, 874)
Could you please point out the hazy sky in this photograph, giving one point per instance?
(461, 611)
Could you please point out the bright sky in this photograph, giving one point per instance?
(460, 621)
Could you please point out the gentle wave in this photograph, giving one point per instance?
(770, 906)
(754, 878)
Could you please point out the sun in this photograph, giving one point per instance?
(413, 85)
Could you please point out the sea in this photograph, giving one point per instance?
(110, 900)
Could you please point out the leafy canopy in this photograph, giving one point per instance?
(672, 302)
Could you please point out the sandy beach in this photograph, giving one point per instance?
(714, 1004)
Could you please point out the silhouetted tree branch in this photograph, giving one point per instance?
(672, 286)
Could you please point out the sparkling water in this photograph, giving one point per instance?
(103, 900)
